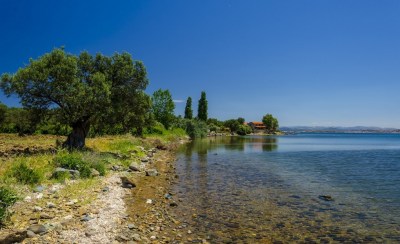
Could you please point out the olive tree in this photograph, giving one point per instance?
(83, 87)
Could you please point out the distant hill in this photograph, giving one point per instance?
(339, 129)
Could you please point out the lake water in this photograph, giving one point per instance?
(260, 189)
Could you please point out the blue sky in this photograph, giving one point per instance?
(306, 62)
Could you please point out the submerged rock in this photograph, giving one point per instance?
(326, 198)
(127, 183)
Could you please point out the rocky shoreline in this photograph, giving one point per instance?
(128, 205)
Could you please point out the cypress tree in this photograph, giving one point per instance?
(188, 109)
(202, 113)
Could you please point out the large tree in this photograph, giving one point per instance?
(83, 87)
(163, 107)
(202, 112)
(188, 109)
(271, 123)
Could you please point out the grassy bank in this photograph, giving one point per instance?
(30, 165)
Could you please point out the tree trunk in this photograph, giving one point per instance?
(76, 140)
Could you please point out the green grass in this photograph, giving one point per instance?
(26, 175)
(7, 198)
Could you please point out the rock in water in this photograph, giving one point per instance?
(127, 183)
(38, 229)
(151, 172)
(326, 198)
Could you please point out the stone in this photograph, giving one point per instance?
(136, 237)
(167, 196)
(13, 237)
(51, 205)
(38, 229)
(86, 218)
(131, 226)
(326, 198)
(151, 172)
(38, 189)
(153, 237)
(149, 201)
(39, 196)
(122, 238)
(46, 216)
(127, 183)
(173, 204)
(90, 233)
(145, 160)
(134, 167)
(106, 189)
(94, 173)
(27, 199)
(37, 209)
(30, 234)
(115, 168)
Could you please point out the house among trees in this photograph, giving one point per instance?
(256, 126)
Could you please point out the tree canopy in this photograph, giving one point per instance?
(271, 123)
(188, 109)
(202, 112)
(83, 88)
(163, 107)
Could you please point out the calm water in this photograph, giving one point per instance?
(267, 189)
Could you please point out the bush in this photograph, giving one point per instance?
(25, 175)
(244, 130)
(7, 198)
(196, 129)
(75, 162)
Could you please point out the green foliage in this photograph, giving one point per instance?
(7, 198)
(163, 107)
(202, 112)
(241, 120)
(61, 176)
(188, 109)
(196, 129)
(232, 124)
(84, 88)
(25, 175)
(73, 161)
(270, 123)
(3, 110)
(156, 129)
(100, 166)
(244, 130)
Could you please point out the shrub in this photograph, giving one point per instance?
(244, 130)
(7, 198)
(196, 129)
(25, 175)
(75, 162)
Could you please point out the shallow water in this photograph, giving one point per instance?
(268, 189)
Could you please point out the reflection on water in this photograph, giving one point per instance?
(265, 189)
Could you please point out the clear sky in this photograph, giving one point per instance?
(320, 62)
